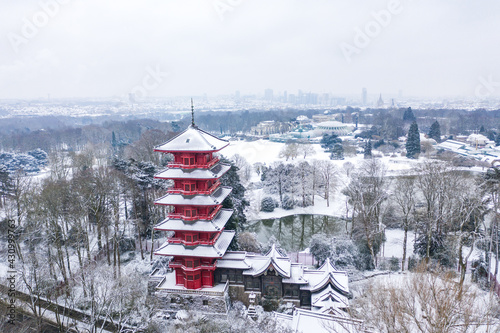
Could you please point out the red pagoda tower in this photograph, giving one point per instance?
(196, 218)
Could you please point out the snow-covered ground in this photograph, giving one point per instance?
(267, 152)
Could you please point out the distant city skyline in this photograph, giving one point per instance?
(77, 48)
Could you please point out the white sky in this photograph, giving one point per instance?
(99, 48)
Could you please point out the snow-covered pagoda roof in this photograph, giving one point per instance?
(296, 274)
(327, 299)
(203, 251)
(274, 259)
(214, 225)
(215, 198)
(215, 172)
(326, 275)
(235, 260)
(192, 139)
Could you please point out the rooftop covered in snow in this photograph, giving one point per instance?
(192, 139)
(215, 198)
(201, 251)
(214, 225)
(177, 173)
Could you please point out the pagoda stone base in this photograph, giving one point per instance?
(172, 302)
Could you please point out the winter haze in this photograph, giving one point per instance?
(76, 48)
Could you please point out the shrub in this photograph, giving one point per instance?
(288, 203)
(394, 264)
(267, 204)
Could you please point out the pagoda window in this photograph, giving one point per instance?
(190, 238)
(190, 212)
(188, 160)
(189, 187)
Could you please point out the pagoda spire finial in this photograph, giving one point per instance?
(192, 113)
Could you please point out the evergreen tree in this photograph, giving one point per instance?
(435, 131)
(409, 116)
(337, 152)
(236, 200)
(368, 149)
(482, 129)
(413, 141)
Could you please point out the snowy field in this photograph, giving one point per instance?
(267, 152)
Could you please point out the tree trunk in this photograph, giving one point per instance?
(404, 246)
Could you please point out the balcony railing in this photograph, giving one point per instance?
(207, 165)
(192, 243)
(197, 217)
(174, 264)
(207, 192)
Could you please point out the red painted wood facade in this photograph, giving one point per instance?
(193, 272)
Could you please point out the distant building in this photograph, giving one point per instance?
(380, 101)
(364, 96)
(334, 127)
(268, 95)
(270, 127)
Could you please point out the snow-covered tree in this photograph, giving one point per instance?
(267, 204)
(435, 131)
(413, 141)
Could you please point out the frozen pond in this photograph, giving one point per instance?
(294, 232)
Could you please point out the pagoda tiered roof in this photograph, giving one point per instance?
(235, 260)
(214, 225)
(215, 172)
(326, 275)
(202, 251)
(260, 264)
(215, 198)
(193, 139)
(327, 299)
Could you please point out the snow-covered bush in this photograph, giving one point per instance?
(40, 156)
(345, 254)
(320, 247)
(288, 203)
(394, 264)
(247, 241)
(267, 204)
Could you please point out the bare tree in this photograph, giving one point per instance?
(289, 151)
(328, 174)
(404, 196)
(367, 191)
(426, 302)
(437, 183)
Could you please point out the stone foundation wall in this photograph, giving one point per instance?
(175, 301)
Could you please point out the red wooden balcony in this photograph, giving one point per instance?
(174, 264)
(197, 217)
(206, 165)
(192, 243)
(208, 192)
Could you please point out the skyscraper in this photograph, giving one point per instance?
(364, 96)
(268, 95)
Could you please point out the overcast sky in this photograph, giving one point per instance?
(99, 48)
